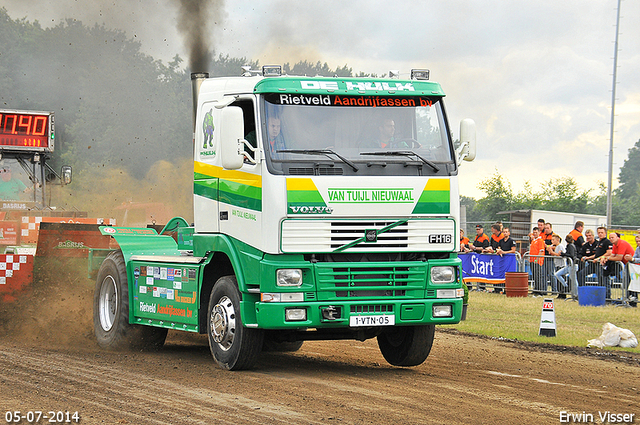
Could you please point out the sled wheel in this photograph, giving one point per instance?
(111, 311)
(406, 345)
(233, 346)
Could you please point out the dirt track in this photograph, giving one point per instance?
(49, 362)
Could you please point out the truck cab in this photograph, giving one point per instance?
(324, 208)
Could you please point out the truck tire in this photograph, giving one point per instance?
(111, 311)
(233, 346)
(406, 345)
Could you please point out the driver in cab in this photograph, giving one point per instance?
(275, 139)
(386, 137)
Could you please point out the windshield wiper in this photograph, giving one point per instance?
(404, 153)
(326, 152)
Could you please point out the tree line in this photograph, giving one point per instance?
(562, 194)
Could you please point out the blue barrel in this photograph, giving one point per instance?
(592, 295)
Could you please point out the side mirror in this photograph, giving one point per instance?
(231, 136)
(66, 174)
(467, 150)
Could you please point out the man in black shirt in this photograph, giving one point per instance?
(506, 244)
(588, 249)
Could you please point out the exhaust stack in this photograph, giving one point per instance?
(196, 81)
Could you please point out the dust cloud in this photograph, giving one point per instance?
(56, 310)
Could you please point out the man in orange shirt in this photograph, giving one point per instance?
(464, 242)
(536, 259)
(481, 241)
(496, 238)
(576, 234)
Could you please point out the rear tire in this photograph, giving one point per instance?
(111, 311)
(233, 346)
(406, 345)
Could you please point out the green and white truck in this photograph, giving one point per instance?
(324, 209)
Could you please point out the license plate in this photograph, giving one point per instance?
(375, 320)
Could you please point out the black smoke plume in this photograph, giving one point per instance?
(196, 19)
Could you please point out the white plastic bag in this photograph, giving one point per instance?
(613, 336)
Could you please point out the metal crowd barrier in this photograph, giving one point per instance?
(547, 274)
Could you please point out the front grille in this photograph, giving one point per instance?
(309, 235)
(344, 232)
(374, 308)
(330, 171)
(361, 280)
(308, 171)
(299, 171)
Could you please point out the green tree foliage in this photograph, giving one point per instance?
(564, 194)
(499, 197)
(114, 106)
(559, 194)
(629, 177)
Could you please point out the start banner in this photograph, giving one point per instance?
(487, 268)
(634, 275)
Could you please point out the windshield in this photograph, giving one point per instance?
(15, 183)
(404, 135)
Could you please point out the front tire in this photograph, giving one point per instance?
(111, 311)
(233, 346)
(406, 345)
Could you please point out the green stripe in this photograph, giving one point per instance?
(241, 189)
(433, 202)
(434, 196)
(206, 188)
(229, 192)
(240, 201)
(432, 208)
(306, 197)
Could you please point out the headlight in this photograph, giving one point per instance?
(289, 277)
(443, 274)
(295, 314)
(442, 311)
(285, 297)
(445, 293)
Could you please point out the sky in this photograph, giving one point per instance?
(535, 76)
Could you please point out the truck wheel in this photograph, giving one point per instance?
(233, 346)
(406, 345)
(111, 311)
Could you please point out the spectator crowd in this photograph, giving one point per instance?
(603, 256)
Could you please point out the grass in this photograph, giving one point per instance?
(519, 318)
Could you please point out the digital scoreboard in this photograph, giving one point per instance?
(26, 131)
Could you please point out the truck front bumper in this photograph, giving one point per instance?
(371, 313)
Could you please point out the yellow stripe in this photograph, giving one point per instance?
(301, 184)
(231, 175)
(437, 184)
